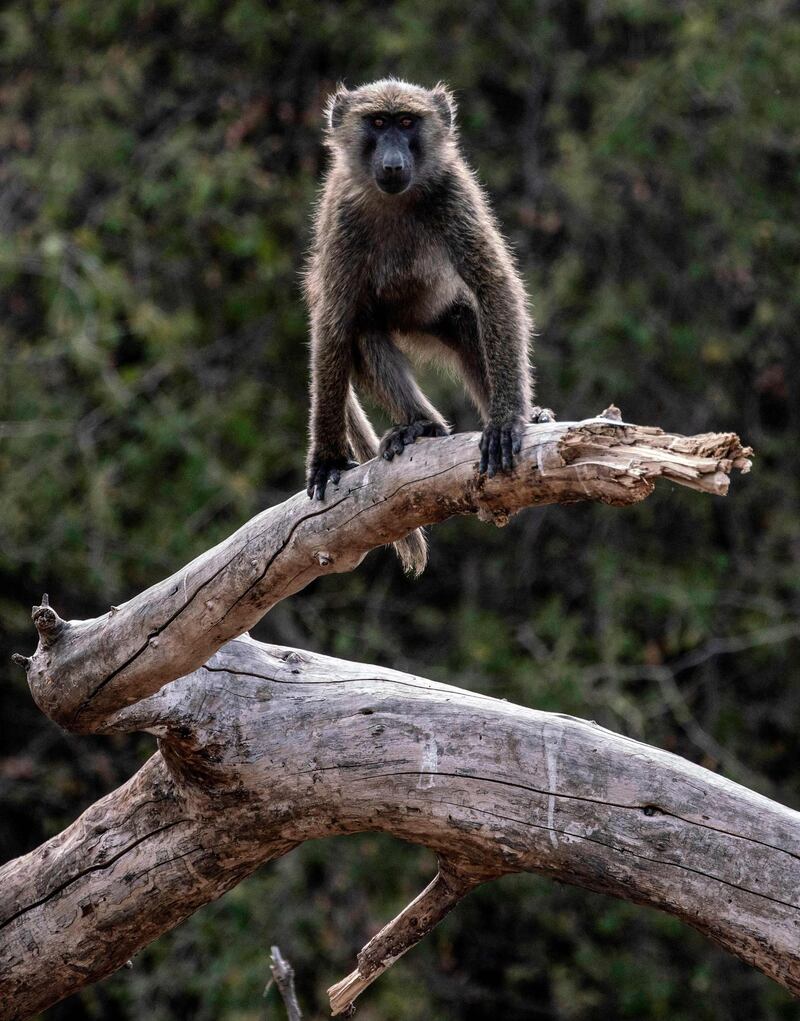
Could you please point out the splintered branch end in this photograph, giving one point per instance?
(412, 924)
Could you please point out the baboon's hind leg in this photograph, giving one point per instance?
(383, 370)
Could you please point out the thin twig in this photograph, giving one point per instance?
(283, 974)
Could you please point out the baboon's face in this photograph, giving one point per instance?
(391, 148)
(390, 135)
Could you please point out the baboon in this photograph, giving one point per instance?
(407, 259)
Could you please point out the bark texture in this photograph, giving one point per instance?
(261, 748)
(83, 670)
(265, 747)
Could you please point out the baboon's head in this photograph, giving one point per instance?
(392, 134)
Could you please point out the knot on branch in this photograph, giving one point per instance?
(47, 621)
(612, 413)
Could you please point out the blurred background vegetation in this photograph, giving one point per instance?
(159, 164)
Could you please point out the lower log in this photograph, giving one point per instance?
(265, 747)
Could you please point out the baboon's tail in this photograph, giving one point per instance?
(413, 550)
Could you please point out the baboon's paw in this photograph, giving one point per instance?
(498, 445)
(323, 470)
(396, 439)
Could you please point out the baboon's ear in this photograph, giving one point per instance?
(337, 106)
(445, 104)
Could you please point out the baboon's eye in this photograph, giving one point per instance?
(406, 122)
(378, 122)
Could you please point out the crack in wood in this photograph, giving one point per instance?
(572, 797)
(277, 553)
(621, 850)
(99, 867)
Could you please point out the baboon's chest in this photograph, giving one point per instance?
(409, 289)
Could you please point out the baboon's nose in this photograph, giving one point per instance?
(394, 173)
(393, 162)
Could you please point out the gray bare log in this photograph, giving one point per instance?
(323, 747)
(83, 671)
(261, 748)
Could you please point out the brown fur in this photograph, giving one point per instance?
(425, 272)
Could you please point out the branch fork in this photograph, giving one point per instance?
(262, 748)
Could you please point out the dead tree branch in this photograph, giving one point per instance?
(413, 923)
(324, 747)
(262, 748)
(83, 671)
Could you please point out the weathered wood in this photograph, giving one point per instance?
(264, 747)
(397, 937)
(131, 867)
(85, 670)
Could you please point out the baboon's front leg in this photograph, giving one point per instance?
(329, 452)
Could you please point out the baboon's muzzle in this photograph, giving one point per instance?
(393, 171)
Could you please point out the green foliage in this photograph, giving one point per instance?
(159, 165)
